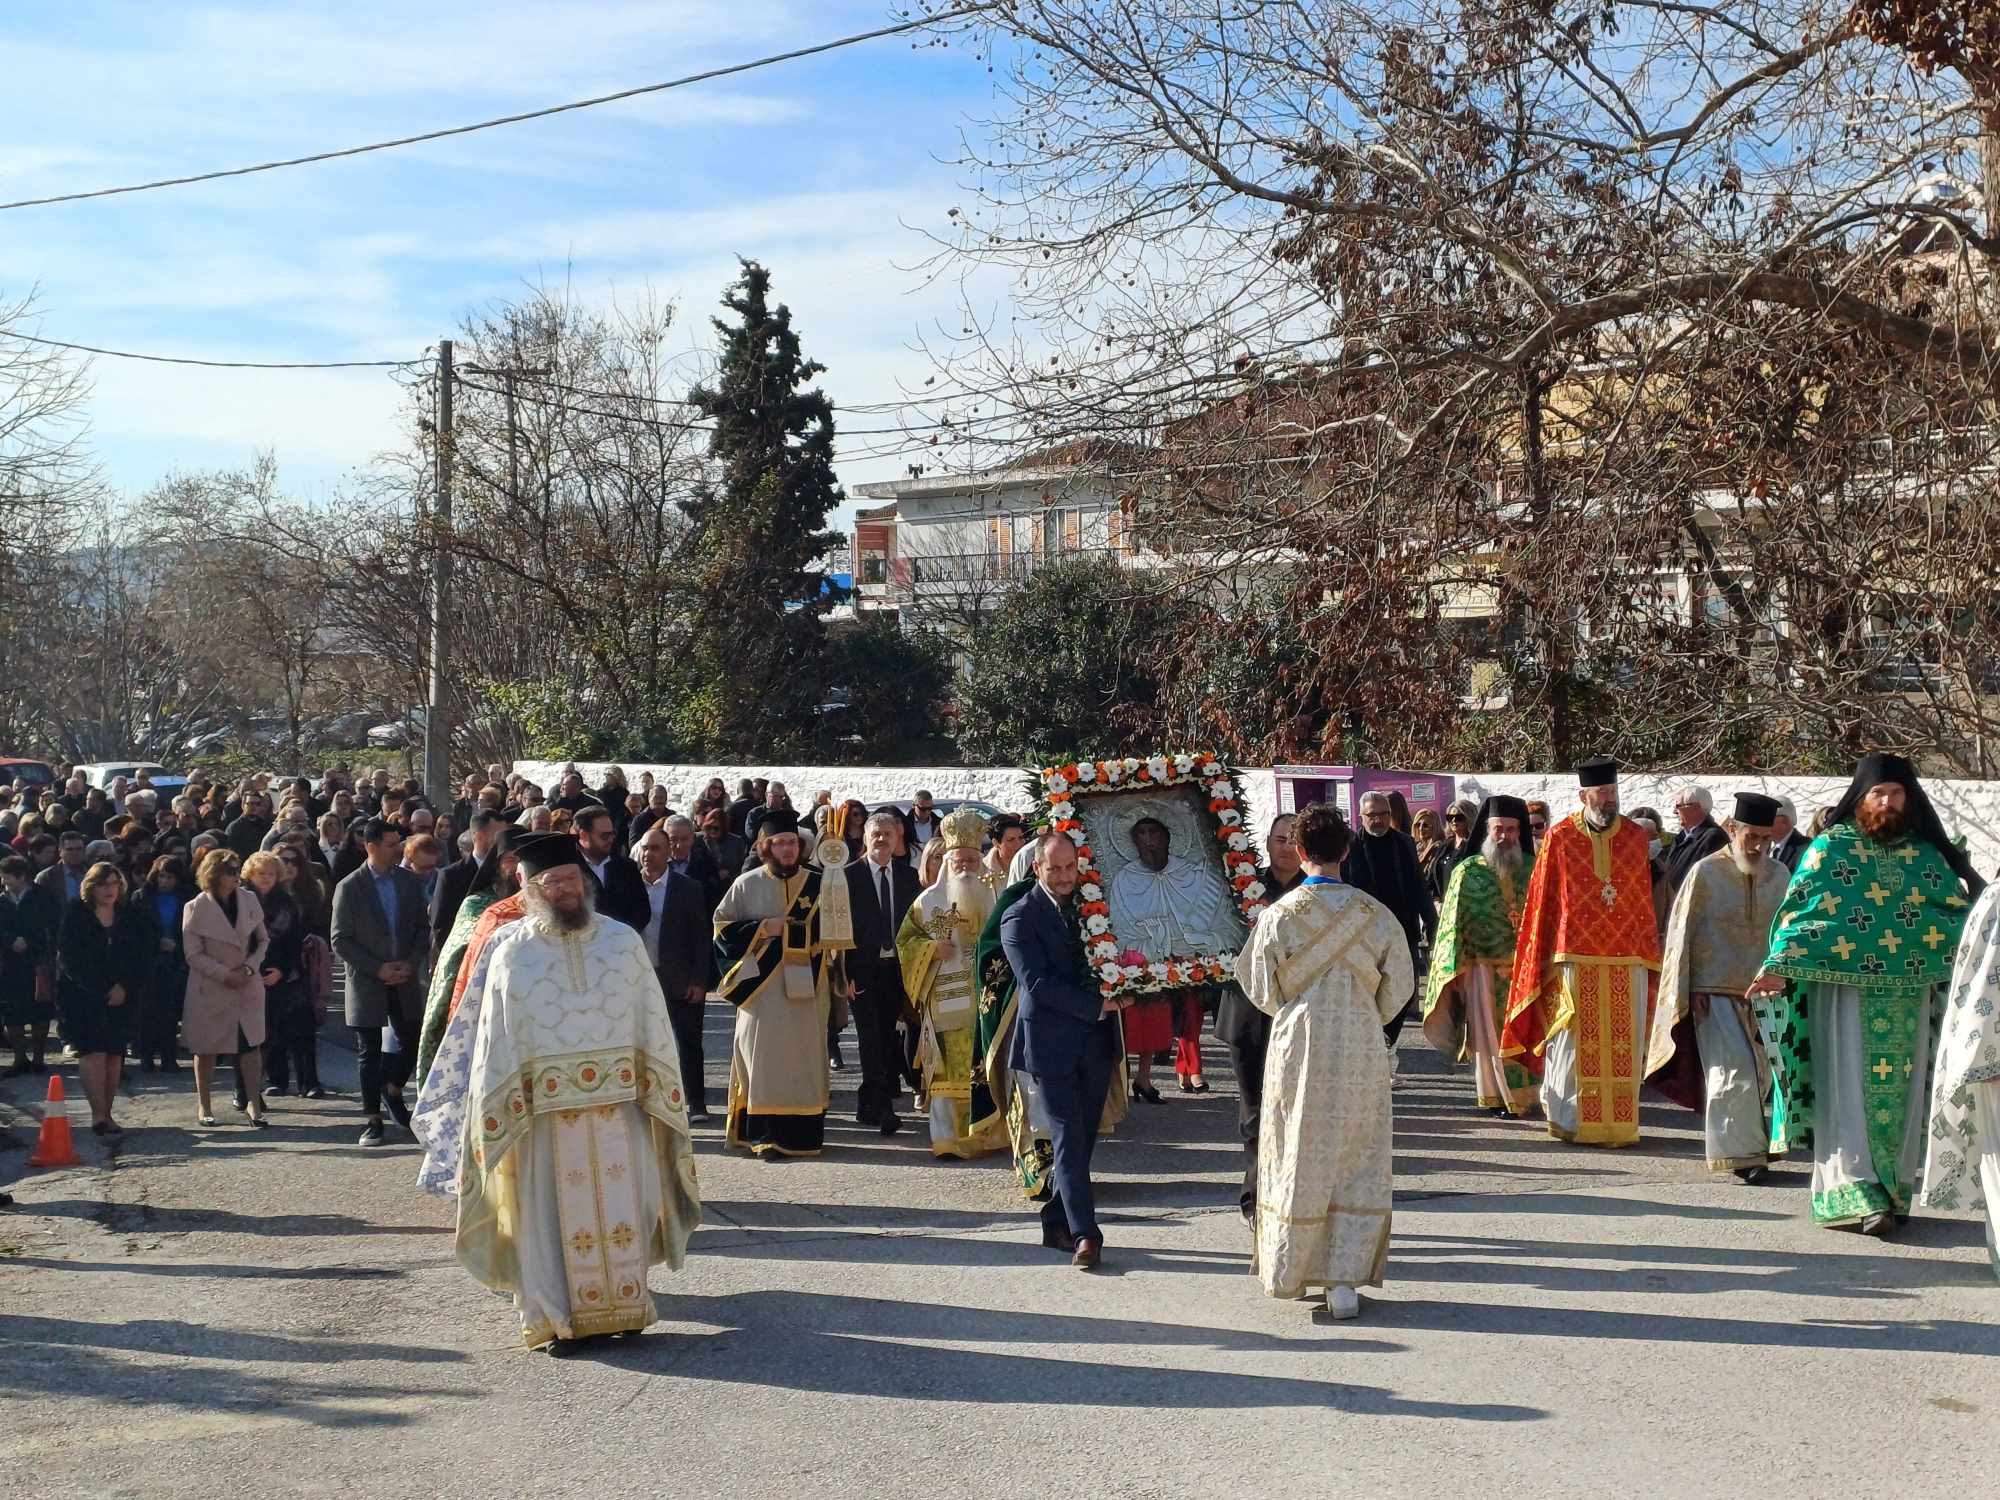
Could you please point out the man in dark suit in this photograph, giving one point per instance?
(621, 889)
(381, 930)
(678, 940)
(1787, 842)
(1382, 862)
(1066, 1038)
(748, 794)
(64, 879)
(1246, 1030)
(456, 878)
(880, 888)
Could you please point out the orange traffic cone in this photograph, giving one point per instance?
(55, 1148)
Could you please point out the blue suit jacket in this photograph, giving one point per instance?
(1058, 1020)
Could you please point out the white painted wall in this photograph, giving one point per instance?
(1971, 808)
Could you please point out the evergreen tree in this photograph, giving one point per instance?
(1073, 662)
(760, 529)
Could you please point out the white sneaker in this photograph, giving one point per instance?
(1343, 1302)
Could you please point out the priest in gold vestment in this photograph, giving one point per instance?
(577, 1173)
(935, 947)
(780, 931)
(1330, 965)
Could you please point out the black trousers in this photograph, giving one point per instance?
(379, 1067)
(878, 1003)
(686, 1017)
(1075, 1101)
(1246, 1057)
(291, 1041)
(160, 1016)
(1395, 1027)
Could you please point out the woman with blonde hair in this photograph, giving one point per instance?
(223, 936)
(930, 865)
(289, 1034)
(103, 952)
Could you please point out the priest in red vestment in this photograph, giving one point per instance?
(1583, 968)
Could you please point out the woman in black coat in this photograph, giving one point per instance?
(289, 1035)
(103, 956)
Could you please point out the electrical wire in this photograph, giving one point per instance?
(218, 364)
(534, 114)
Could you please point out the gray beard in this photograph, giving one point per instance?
(1746, 864)
(1507, 861)
(1598, 821)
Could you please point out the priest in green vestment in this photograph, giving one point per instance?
(1472, 958)
(1853, 989)
(780, 931)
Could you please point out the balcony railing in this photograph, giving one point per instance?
(977, 568)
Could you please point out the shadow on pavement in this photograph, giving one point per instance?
(1928, 1336)
(160, 1219)
(856, 1346)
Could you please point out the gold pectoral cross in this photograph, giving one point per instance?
(1610, 895)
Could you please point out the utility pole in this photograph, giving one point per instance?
(437, 722)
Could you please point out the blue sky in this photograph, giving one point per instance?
(823, 169)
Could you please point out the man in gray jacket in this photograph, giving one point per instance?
(381, 930)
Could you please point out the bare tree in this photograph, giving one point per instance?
(1627, 372)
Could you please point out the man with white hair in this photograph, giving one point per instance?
(1700, 835)
(1589, 947)
(935, 946)
(579, 1172)
(1787, 843)
(1705, 1052)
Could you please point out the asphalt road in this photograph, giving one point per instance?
(230, 1312)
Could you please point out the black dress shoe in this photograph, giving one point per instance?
(397, 1107)
(890, 1124)
(1058, 1239)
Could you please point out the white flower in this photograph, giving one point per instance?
(1222, 789)
(1096, 926)
(1157, 768)
(1113, 773)
(1133, 971)
(1090, 890)
(1131, 763)
(1229, 819)
(1239, 841)
(1085, 772)
(1062, 809)
(1184, 763)
(1253, 890)
(1111, 973)
(1104, 948)
(1055, 781)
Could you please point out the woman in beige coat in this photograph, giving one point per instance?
(222, 936)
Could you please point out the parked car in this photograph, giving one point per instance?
(103, 773)
(399, 734)
(26, 772)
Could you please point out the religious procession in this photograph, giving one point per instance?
(1834, 999)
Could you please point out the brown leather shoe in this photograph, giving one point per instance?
(1088, 1252)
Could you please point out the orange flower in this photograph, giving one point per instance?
(1070, 775)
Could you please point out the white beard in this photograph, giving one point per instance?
(1746, 864)
(1507, 861)
(972, 896)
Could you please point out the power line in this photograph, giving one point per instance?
(533, 114)
(217, 364)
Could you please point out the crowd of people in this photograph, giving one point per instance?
(532, 1008)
